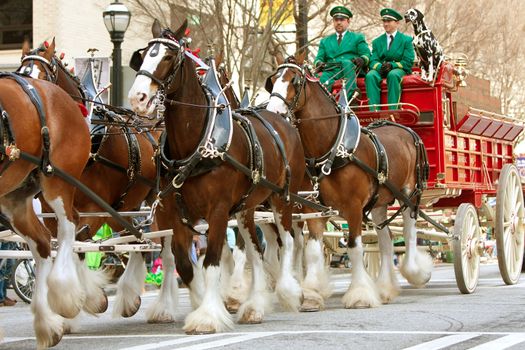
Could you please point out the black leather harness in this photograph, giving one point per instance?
(33, 95)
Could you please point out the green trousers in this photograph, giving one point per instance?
(347, 71)
(393, 83)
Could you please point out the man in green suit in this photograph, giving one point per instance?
(343, 53)
(392, 58)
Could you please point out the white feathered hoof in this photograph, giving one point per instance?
(162, 317)
(311, 305)
(132, 309)
(289, 293)
(48, 331)
(312, 302)
(418, 274)
(232, 305)
(361, 298)
(208, 321)
(97, 304)
(67, 305)
(251, 316)
(387, 292)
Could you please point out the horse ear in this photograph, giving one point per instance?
(421, 15)
(156, 28)
(50, 51)
(182, 29)
(300, 56)
(26, 48)
(279, 58)
(218, 58)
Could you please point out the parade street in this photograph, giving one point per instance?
(436, 317)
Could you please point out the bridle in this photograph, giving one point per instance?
(299, 87)
(49, 66)
(172, 45)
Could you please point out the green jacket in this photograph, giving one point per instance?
(401, 53)
(353, 45)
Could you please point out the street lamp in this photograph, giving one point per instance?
(116, 18)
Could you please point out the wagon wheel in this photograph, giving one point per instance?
(466, 248)
(509, 227)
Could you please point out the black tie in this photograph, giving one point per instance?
(339, 38)
(390, 42)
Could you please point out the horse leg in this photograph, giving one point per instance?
(362, 292)
(386, 281)
(163, 308)
(93, 282)
(129, 287)
(271, 253)
(66, 295)
(287, 288)
(47, 324)
(238, 285)
(211, 316)
(298, 245)
(416, 266)
(252, 311)
(316, 284)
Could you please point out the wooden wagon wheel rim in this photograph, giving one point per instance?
(466, 248)
(509, 229)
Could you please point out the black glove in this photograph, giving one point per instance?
(319, 66)
(359, 62)
(385, 68)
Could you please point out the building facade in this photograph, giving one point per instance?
(76, 25)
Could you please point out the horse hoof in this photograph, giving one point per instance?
(232, 305)
(310, 305)
(133, 311)
(200, 331)
(104, 305)
(251, 317)
(162, 319)
(55, 339)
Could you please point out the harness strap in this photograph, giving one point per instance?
(280, 145)
(83, 188)
(33, 95)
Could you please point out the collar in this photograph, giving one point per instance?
(393, 34)
(343, 34)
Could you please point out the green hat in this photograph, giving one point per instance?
(341, 11)
(390, 15)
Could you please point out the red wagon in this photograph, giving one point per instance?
(471, 163)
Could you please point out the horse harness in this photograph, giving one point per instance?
(342, 151)
(7, 140)
(98, 132)
(212, 150)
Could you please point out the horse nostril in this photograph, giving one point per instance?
(142, 97)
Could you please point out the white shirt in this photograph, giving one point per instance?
(340, 34)
(388, 38)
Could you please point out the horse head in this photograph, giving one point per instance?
(414, 16)
(156, 66)
(287, 84)
(38, 63)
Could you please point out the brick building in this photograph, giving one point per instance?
(477, 95)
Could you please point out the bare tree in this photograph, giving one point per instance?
(247, 32)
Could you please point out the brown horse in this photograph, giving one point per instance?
(349, 188)
(124, 179)
(167, 74)
(58, 135)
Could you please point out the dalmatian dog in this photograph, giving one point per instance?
(428, 50)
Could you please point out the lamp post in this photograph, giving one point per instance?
(116, 18)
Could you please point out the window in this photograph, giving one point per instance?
(16, 23)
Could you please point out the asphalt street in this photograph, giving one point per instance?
(436, 317)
